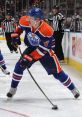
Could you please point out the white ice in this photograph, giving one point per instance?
(29, 101)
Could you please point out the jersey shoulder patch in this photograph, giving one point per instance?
(46, 30)
(24, 21)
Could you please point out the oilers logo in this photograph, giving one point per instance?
(33, 39)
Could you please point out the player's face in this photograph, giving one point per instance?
(33, 22)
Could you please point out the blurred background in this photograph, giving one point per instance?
(17, 8)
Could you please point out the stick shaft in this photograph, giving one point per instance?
(37, 83)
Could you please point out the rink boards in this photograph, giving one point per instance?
(72, 47)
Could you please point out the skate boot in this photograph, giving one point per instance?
(11, 92)
(76, 93)
(16, 51)
(11, 51)
(5, 71)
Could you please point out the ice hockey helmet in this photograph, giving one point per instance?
(36, 12)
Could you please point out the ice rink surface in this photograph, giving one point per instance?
(29, 101)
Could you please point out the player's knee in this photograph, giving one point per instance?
(19, 68)
(23, 63)
(62, 76)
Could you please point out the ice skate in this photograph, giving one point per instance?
(76, 93)
(11, 51)
(16, 51)
(5, 71)
(11, 92)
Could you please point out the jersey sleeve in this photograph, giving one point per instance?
(24, 22)
(46, 33)
(46, 30)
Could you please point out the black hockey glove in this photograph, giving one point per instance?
(16, 41)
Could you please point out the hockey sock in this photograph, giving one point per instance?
(2, 62)
(65, 80)
(17, 74)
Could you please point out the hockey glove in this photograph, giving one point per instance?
(30, 55)
(16, 42)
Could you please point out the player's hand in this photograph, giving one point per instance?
(16, 41)
(26, 60)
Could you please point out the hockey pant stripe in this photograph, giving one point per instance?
(59, 69)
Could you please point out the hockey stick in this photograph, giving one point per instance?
(55, 107)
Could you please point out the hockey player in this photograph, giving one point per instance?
(40, 42)
(2, 65)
